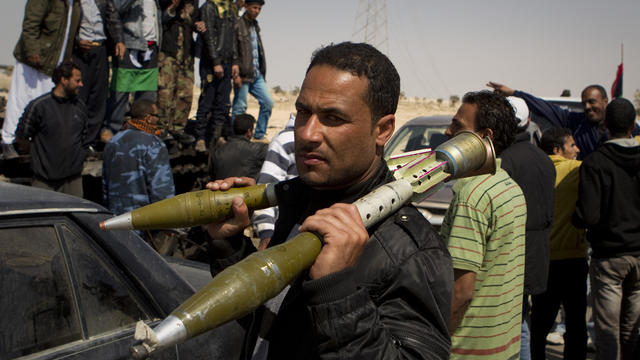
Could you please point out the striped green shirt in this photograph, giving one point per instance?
(485, 231)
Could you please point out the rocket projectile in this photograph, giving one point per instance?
(241, 288)
(191, 209)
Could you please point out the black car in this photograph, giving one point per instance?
(421, 133)
(69, 290)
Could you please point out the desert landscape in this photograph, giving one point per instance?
(408, 108)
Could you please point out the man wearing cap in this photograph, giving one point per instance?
(532, 169)
(253, 68)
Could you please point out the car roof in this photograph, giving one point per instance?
(20, 199)
(430, 120)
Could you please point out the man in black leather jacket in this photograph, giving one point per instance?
(239, 156)
(218, 63)
(376, 293)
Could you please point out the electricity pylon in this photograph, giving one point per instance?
(371, 24)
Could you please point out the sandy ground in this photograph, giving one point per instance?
(408, 108)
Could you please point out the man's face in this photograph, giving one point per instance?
(594, 105)
(252, 10)
(569, 149)
(336, 144)
(73, 84)
(464, 119)
(153, 117)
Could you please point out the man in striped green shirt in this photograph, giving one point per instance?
(485, 231)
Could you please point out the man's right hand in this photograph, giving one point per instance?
(218, 71)
(502, 89)
(240, 219)
(34, 60)
(120, 50)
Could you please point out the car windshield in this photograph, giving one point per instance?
(415, 137)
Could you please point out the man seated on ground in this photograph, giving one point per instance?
(238, 156)
(136, 169)
(485, 231)
(56, 125)
(380, 293)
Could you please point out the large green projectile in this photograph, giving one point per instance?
(191, 209)
(232, 294)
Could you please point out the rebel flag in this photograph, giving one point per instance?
(616, 88)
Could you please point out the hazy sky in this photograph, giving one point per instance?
(450, 47)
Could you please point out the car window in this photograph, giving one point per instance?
(37, 310)
(411, 138)
(107, 300)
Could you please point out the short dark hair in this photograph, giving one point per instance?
(495, 113)
(242, 123)
(600, 89)
(554, 138)
(141, 108)
(620, 117)
(64, 70)
(362, 59)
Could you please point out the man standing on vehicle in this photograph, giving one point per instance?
(253, 68)
(588, 126)
(218, 65)
(376, 294)
(485, 231)
(56, 124)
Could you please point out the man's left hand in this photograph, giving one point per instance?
(235, 71)
(344, 237)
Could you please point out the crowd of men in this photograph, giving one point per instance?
(126, 55)
(398, 289)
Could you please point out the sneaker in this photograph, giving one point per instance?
(8, 152)
(201, 146)
(261, 140)
(105, 135)
(555, 338)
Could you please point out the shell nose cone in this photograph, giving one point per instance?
(120, 222)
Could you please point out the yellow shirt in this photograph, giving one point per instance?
(567, 242)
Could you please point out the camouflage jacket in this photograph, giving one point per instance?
(135, 171)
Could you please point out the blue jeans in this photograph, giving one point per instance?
(525, 349)
(259, 90)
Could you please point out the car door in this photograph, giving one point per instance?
(62, 295)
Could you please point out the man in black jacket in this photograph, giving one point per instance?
(218, 64)
(377, 293)
(253, 68)
(532, 169)
(99, 24)
(239, 156)
(609, 207)
(55, 124)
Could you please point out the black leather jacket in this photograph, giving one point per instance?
(238, 157)
(245, 50)
(394, 303)
(219, 41)
(171, 28)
